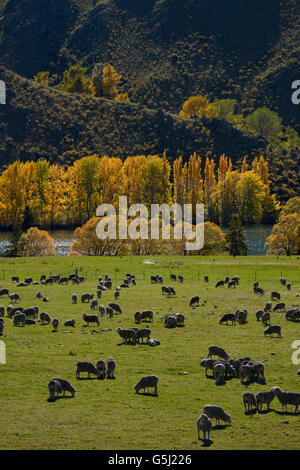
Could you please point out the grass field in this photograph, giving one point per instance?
(107, 414)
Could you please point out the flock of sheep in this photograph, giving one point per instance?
(223, 367)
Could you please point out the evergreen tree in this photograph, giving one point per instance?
(236, 238)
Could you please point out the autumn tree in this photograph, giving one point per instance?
(209, 183)
(180, 181)
(110, 82)
(214, 240)
(75, 80)
(132, 178)
(36, 242)
(285, 236)
(194, 182)
(198, 107)
(292, 206)
(42, 78)
(250, 192)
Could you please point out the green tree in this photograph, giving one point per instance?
(265, 122)
(235, 238)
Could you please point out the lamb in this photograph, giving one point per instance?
(65, 386)
(143, 333)
(219, 372)
(273, 329)
(287, 398)
(55, 322)
(102, 368)
(87, 367)
(216, 351)
(264, 397)
(111, 365)
(19, 319)
(249, 401)
(226, 318)
(70, 322)
(217, 412)
(91, 319)
(147, 382)
(204, 424)
(54, 388)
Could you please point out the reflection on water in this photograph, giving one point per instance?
(256, 239)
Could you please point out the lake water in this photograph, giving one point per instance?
(256, 238)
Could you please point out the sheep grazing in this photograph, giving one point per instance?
(102, 368)
(206, 279)
(15, 279)
(273, 329)
(180, 278)
(219, 372)
(91, 319)
(194, 301)
(87, 298)
(19, 319)
(4, 292)
(39, 295)
(2, 311)
(15, 297)
(153, 342)
(288, 286)
(258, 370)
(259, 315)
(111, 365)
(1, 326)
(216, 351)
(204, 424)
(94, 304)
(87, 367)
(127, 335)
(147, 315)
(66, 386)
(170, 321)
(287, 398)
(279, 307)
(116, 294)
(109, 312)
(143, 333)
(147, 382)
(55, 322)
(283, 281)
(173, 277)
(268, 307)
(275, 295)
(208, 364)
(231, 284)
(216, 412)
(266, 318)
(102, 310)
(264, 398)
(249, 401)
(219, 284)
(116, 307)
(137, 317)
(54, 388)
(179, 319)
(226, 318)
(70, 322)
(245, 373)
(241, 316)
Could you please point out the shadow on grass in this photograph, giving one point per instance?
(287, 413)
(251, 412)
(206, 442)
(147, 394)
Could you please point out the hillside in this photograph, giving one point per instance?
(166, 50)
(41, 121)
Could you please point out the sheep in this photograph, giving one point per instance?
(280, 306)
(287, 398)
(116, 307)
(227, 279)
(226, 318)
(45, 299)
(217, 412)
(264, 397)
(63, 280)
(266, 319)
(109, 312)
(153, 342)
(170, 321)
(2, 311)
(273, 329)
(219, 284)
(91, 319)
(1, 327)
(54, 388)
(172, 291)
(111, 365)
(147, 315)
(86, 298)
(137, 317)
(70, 322)
(194, 301)
(39, 295)
(179, 319)
(236, 279)
(204, 424)
(30, 321)
(87, 367)
(208, 364)
(15, 279)
(241, 317)
(19, 319)
(231, 284)
(116, 294)
(143, 333)
(4, 292)
(259, 314)
(55, 322)
(66, 386)
(102, 310)
(268, 307)
(108, 284)
(31, 311)
(206, 279)
(94, 304)
(14, 297)
(236, 364)
(217, 351)
(249, 401)
(275, 295)
(102, 368)
(219, 372)
(259, 290)
(283, 281)
(245, 372)
(153, 280)
(173, 277)
(147, 382)
(127, 335)
(180, 278)
(288, 286)
(258, 370)
(296, 316)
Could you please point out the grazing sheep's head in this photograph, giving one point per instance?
(276, 391)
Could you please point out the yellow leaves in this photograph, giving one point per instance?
(123, 97)
(198, 106)
(110, 82)
(42, 78)
(36, 242)
(285, 236)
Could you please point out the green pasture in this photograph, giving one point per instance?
(108, 414)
